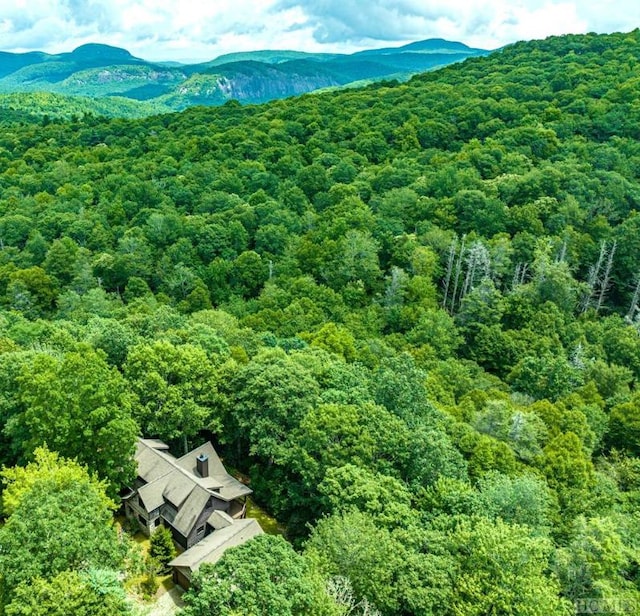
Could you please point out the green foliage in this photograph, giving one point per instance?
(150, 584)
(31, 291)
(46, 469)
(386, 568)
(522, 500)
(267, 398)
(624, 426)
(69, 592)
(566, 464)
(263, 576)
(381, 496)
(523, 431)
(545, 376)
(175, 388)
(597, 562)
(502, 569)
(60, 520)
(80, 407)
(161, 547)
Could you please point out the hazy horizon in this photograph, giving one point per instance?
(160, 30)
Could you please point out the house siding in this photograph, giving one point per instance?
(214, 504)
(179, 538)
(180, 578)
(134, 511)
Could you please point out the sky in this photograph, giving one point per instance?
(196, 30)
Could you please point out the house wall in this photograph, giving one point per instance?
(148, 523)
(179, 577)
(178, 537)
(214, 504)
(134, 511)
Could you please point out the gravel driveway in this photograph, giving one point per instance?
(168, 603)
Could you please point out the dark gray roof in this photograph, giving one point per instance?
(188, 461)
(151, 493)
(226, 487)
(219, 519)
(190, 510)
(213, 546)
(152, 461)
(175, 481)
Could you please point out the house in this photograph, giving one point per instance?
(188, 495)
(212, 547)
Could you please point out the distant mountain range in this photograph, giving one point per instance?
(101, 71)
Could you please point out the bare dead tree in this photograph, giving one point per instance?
(563, 253)
(393, 292)
(457, 274)
(447, 279)
(634, 302)
(599, 279)
(519, 275)
(605, 282)
(339, 588)
(478, 267)
(592, 280)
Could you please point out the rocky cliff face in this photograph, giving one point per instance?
(249, 82)
(122, 74)
(268, 87)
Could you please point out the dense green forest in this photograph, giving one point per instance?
(407, 312)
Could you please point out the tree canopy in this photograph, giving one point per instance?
(408, 313)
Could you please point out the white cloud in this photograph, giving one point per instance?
(202, 29)
(484, 23)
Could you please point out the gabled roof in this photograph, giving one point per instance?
(219, 519)
(175, 481)
(212, 547)
(226, 487)
(189, 512)
(152, 461)
(151, 493)
(188, 461)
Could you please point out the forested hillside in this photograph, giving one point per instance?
(125, 86)
(407, 312)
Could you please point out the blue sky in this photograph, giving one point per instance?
(190, 30)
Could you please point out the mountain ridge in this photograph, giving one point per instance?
(97, 71)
